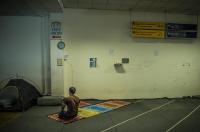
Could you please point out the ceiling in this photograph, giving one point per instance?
(44, 7)
(29, 7)
(178, 6)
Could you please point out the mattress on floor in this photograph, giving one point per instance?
(49, 100)
(55, 101)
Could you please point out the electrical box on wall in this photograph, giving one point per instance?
(125, 60)
(93, 62)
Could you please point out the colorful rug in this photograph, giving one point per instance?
(83, 103)
(54, 116)
(113, 104)
(86, 110)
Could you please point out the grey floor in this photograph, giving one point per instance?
(140, 116)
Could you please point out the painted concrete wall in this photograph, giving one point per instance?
(157, 68)
(24, 49)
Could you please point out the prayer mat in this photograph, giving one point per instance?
(54, 116)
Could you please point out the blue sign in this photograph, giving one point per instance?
(175, 30)
(177, 27)
(171, 34)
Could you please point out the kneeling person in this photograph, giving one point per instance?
(72, 103)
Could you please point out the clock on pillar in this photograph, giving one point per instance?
(61, 45)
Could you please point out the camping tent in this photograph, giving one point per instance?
(18, 94)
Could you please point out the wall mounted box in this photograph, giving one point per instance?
(125, 60)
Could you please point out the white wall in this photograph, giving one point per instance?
(24, 49)
(157, 68)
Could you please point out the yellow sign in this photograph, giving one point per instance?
(149, 25)
(148, 33)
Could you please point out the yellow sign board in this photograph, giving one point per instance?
(149, 25)
(149, 33)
